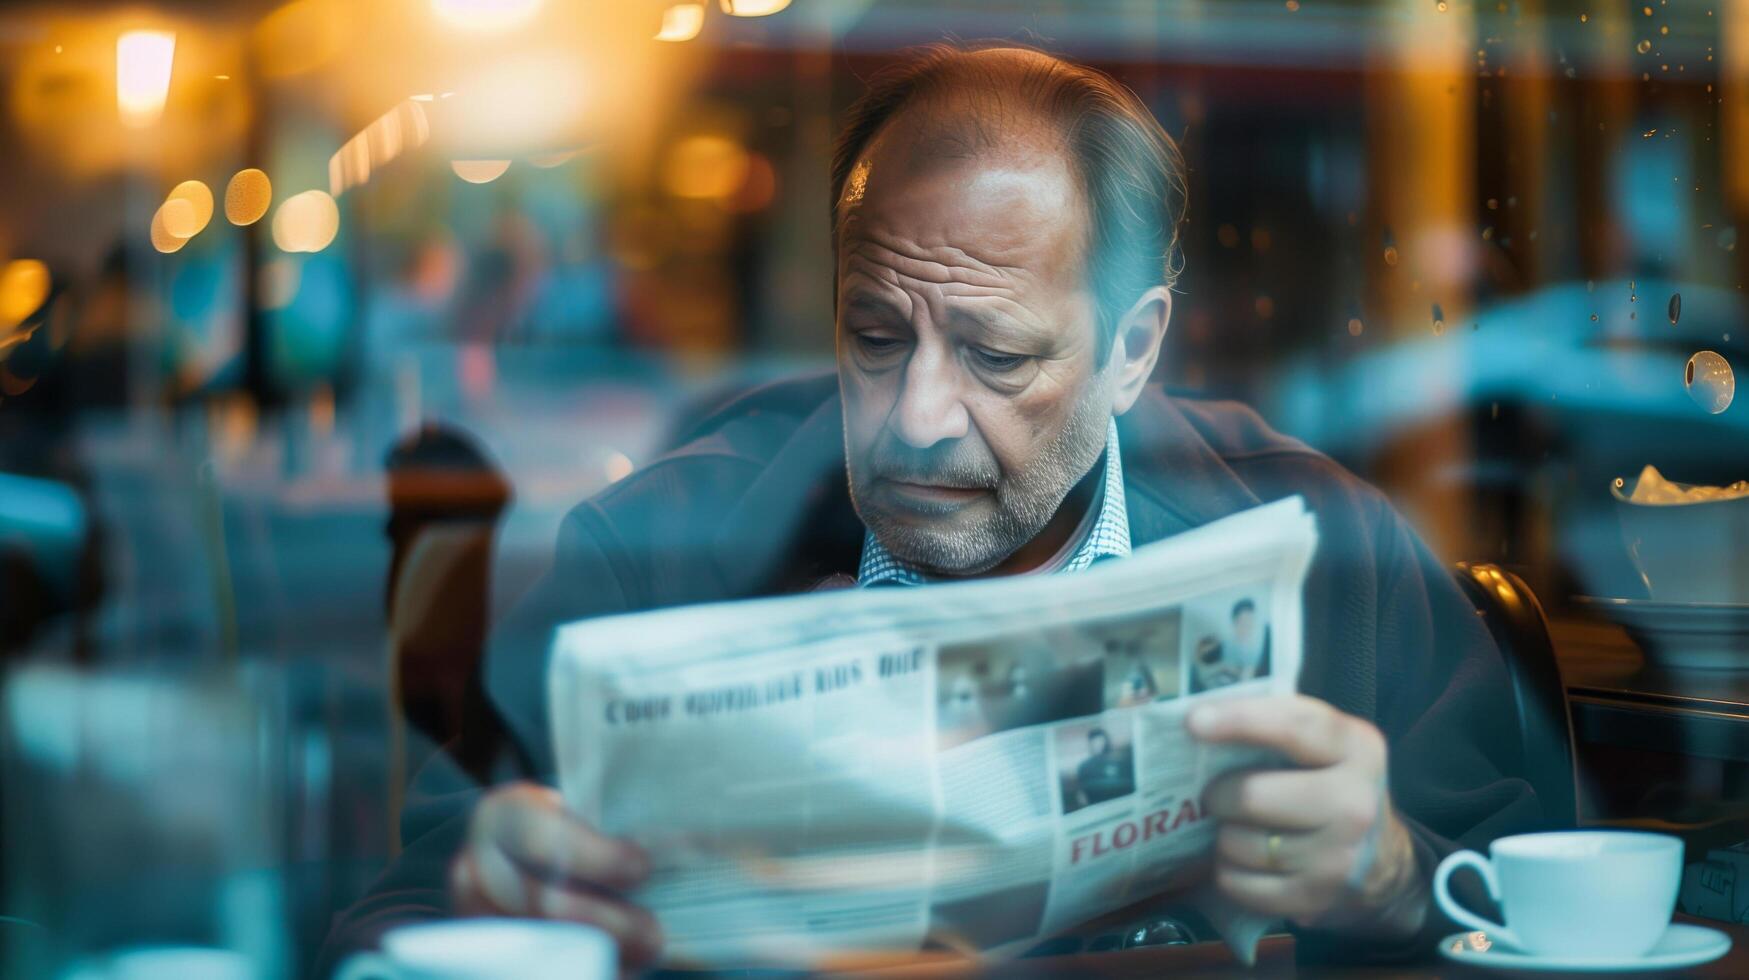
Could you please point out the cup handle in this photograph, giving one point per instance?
(367, 966)
(1442, 894)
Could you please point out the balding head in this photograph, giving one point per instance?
(946, 105)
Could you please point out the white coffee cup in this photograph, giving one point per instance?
(1602, 894)
(165, 963)
(474, 949)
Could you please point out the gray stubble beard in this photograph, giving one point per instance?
(1025, 502)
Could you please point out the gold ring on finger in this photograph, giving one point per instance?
(1272, 851)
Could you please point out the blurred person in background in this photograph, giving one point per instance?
(1005, 228)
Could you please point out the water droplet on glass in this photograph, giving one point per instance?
(1355, 326)
(1440, 6)
(1593, 318)
(1675, 308)
(1709, 381)
(1390, 255)
(1648, 134)
(1438, 318)
(1584, 17)
(1643, 47)
(1727, 239)
(1590, 285)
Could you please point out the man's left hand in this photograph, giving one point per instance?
(1320, 845)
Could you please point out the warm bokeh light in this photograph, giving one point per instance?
(707, 167)
(200, 209)
(24, 285)
(306, 222)
(489, 16)
(403, 127)
(479, 171)
(177, 218)
(753, 8)
(247, 197)
(547, 161)
(539, 98)
(162, 240)
(681, 22)
(142, 75)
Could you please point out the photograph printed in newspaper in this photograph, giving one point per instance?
(971, 765)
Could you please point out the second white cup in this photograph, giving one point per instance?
(1593, 894)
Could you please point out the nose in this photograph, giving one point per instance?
(929, 409)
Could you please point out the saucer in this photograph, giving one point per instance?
(1694, 635)
(1682, 945)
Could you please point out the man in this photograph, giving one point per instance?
(1104, 774)
(1005, 233)
(1250, 641)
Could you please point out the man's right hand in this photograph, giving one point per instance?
(527, 856)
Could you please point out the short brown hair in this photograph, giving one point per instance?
(1130, 170)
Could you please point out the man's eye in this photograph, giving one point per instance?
(998, 362)
(876, 344)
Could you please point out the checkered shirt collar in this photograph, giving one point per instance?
(1108, 538)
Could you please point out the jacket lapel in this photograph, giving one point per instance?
(1173, 479)
(794, 523)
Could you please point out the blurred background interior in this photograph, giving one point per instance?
(316, 317)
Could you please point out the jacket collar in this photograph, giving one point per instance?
(1177, 480)
(794, 523)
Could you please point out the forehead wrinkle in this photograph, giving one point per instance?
(923, 265)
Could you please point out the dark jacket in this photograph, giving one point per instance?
(755, 503)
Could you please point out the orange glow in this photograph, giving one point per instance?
(200, 209)
(302, 36)
(247, 197)
(479, 171)
(306, 222)
(758, 189)
(142, 75)
(753, 8)
(162, 240)
(24, 285)
(177, 218)
(706, 167)
(681, 22)
(486, 16)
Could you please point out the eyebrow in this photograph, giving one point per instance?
(995, 322)
(863, 302)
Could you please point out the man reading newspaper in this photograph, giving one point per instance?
(1005, 235)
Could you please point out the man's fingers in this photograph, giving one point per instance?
(489, 883)
(1284, 896)
(530, 826)
(1305, 730)
(1252, 848)
(1292, 800)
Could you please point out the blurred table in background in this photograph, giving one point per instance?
(1618, 698)
(1652, 743)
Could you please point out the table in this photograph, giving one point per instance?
(1618, 699)
(1275, 959)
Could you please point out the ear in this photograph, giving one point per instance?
(1135, 347)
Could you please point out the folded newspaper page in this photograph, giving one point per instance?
(975, 765)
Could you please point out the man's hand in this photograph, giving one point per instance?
(526, 856)
(1319, 845)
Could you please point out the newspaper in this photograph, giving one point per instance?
(976, 765)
